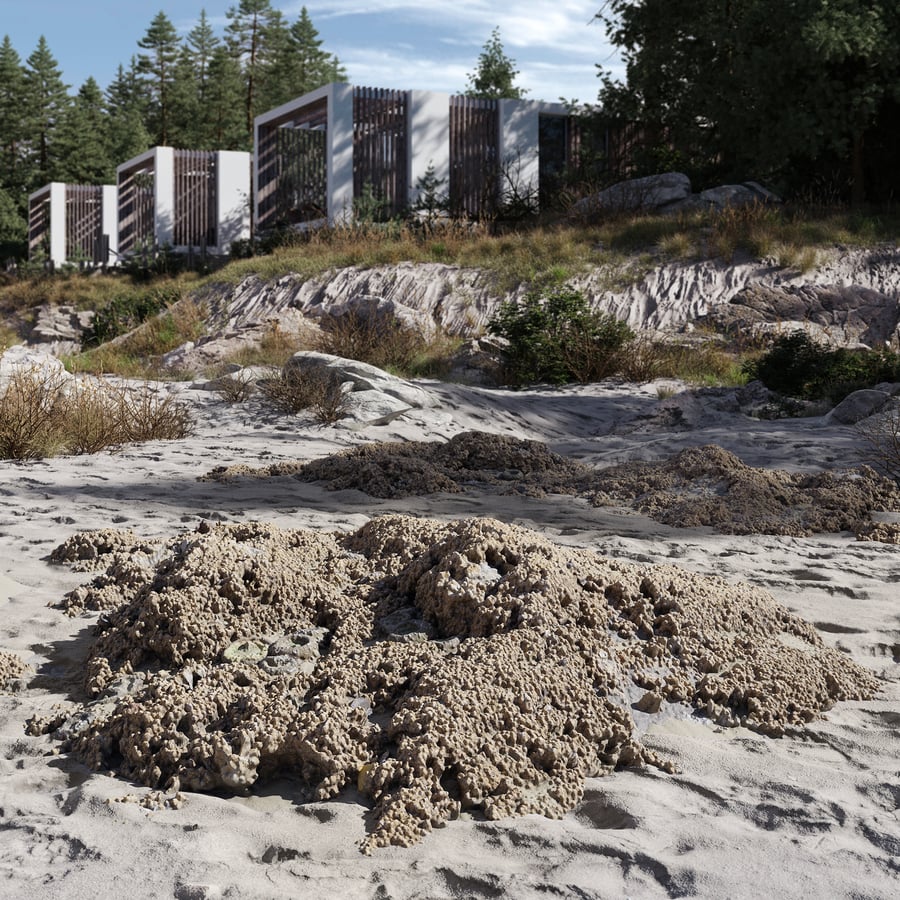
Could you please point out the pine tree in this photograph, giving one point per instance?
(126, 103)
(82, 140)
(247, 38)
(47, 101)
(13, 172)
(494, 79)
(158, 65)
(224, 125)
(311, 66)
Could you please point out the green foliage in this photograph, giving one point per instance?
(127, 311)
(799, 366)
(716, 93)
(495, 76)
(554, 336)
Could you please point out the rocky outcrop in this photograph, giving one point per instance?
(840, 316)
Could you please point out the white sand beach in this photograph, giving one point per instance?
(811, 813)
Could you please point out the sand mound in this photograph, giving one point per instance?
(436, 666)
(700, 486)
(885, 532)
(408, 468)
(124, 558)
(12, 667)
(710, 486)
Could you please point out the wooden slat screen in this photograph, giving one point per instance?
(380, 124)
(39, 225)
(292, 174)
(137, 227)
(195, 199)
(84, 220)
(474, 155)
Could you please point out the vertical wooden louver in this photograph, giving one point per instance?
(292, 173)
(137, 226)
(84, 220)
(474, 155)
(380, 125)
(195, 222)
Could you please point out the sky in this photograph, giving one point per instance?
(426, 45)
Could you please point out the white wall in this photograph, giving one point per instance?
(428, 138)
(232, 198)
(340, 153)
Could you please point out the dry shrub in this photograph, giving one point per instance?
(372, 339)
(317, 390)
(30, 412)
(881, 433)
(42, 414)
(236, 387)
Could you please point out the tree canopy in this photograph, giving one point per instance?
(495, 75)
(789, 92)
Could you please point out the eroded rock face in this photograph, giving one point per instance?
(527, 661)
(835, 314)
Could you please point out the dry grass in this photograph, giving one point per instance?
(43, 413)
(136, 354)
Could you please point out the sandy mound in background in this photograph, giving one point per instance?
(700, 486)
(710, 486)
(436, 666)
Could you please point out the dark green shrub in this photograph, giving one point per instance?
(554, 336)
(126, 312)
(799, 366)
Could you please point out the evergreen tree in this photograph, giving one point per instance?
(13, 227)
(13, 171)
(494, 79)
(202, 43)
(223, 120)
(82, 140)
(126, 103)
(311, 66)
(713, 82)
(47, 100)
(247, 36)
(158, 65)
(185, 128)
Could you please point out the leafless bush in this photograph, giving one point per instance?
(235, 387)
(42, 413)
(881, 433)
(317, 390)
(30, 411)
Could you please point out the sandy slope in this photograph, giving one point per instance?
(813, 814)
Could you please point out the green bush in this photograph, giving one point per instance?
(126, 311)
(799, 366)
(554, 336)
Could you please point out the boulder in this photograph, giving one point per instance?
(478, 361)
(372, 394)
(54, 324)
(734, 195)
(22, 358)
(857, 406)
(649, 193)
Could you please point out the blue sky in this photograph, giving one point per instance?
(427, 45)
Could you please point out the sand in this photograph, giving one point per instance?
(812, 812)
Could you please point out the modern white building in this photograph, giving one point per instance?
(183, 199)
(322, 155)
(73, 223)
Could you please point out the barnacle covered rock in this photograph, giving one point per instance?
(435, 666)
